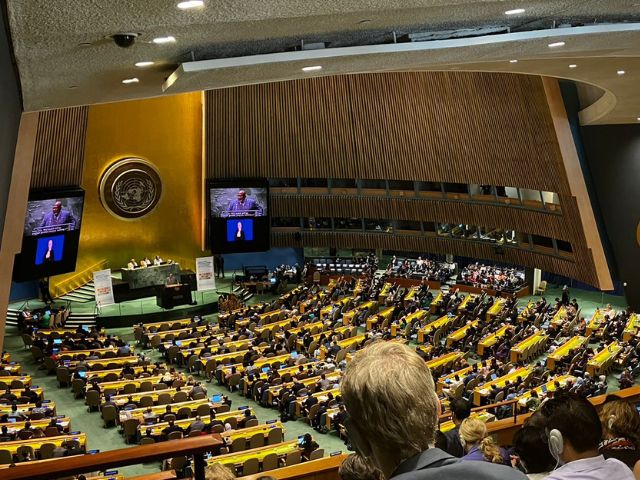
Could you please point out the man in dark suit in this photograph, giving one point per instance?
(393, 423)
(450, 441)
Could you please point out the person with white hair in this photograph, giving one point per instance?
(393, 416)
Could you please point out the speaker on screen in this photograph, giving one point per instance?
(238, 219)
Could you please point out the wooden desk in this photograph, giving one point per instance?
(559, 317)
(132, 360)
(97, 374)
(5, 358)
(18, 391)
(171, 323)
(483, 415)
(26, 408)
(280, 324)
(118, 385)
(25, 379)
(443, 322)
(45, 332)
(121, 400)
(632, 327)
(259, 364)
(550, 386)
(523, 347)
(237, 459)
(321, 396)
(435, 303)
(384, 293)
(347, 343)
(484, 390)
(64, 422)
(460, 333)
(496, 309)
(492, 339)
(561, 352)
(156, 428)
(138, 413)
(73, 354)
(347, 318)
(36, 443)
(463, 305)
(384, 314)
(274, 391)
(247, 433)
(325, 311)
(13, 368)
(443, 360)
(163, 334)
(596, 322)
(526, 311)
(603, 359)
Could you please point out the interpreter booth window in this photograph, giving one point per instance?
(283, 185)
(458, 231)
(444, 229)
(285, 222)
(551, 201)
(402, 188)
(482, 193)
(318, 186)
(456, 190)
(508, 195)
(429, 228)
(348, 223)
(379, 226)
(564, 247)
(343, 186)
(493, 235)
(542, 243)
(471, 232)
(531, 198)
(373, 187)
(429, 189)
(317, 223)
(407, 226)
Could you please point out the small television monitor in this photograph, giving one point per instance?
(82, 374)
(265, 370)
(55, 350)
(493, 376)
(216, 398)
(300, 439)
(243, 408)
(12, 420)
(294, 354)
(178, 343)
(543, 389)
(57, 341)
(238, 219)
(51, 234)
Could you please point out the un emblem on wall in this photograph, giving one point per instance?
(130, 188)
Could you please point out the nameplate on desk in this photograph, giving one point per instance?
(335, 454)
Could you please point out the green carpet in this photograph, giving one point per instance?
(108, 439)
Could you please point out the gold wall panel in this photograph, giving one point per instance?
(167, 132)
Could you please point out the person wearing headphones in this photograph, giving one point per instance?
(620, 432)
(574, 432)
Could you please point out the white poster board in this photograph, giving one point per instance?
(205, 276)
(103, 288)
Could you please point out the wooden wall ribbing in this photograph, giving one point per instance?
(522, 220)
(454, 127)
(59, 153)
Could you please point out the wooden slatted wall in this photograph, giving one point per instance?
(59, 152)
(459, 127)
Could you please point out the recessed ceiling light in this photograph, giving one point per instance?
(621, 72)
(191, 4)
(144, 64)
(556, 44)
(573, 65)
(127, 81)
(639, 119)
(313, 68)
(161, 40)
(513, 61)
(515, 11)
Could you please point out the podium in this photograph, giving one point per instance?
(170, 296)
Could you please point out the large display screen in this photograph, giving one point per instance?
(51, 234)
(238, 215)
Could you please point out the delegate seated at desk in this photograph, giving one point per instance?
(132, 264)
(172, 280)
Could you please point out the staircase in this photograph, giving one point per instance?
(74, 321)
(242, 293)
(83, 294)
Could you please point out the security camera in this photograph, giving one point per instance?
(124, 40)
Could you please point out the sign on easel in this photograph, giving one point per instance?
(205, 277)
(103, 287)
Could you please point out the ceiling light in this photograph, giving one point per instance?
(144, 64)
(621, 72)
(313, 68)
(639, 119)
(513, 61)
(515, 11)
(127, 81)
(556, 44)
(573, 65)
(191, 4)
(161, 40)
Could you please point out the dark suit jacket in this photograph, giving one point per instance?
(434, 464)
(449, 442)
